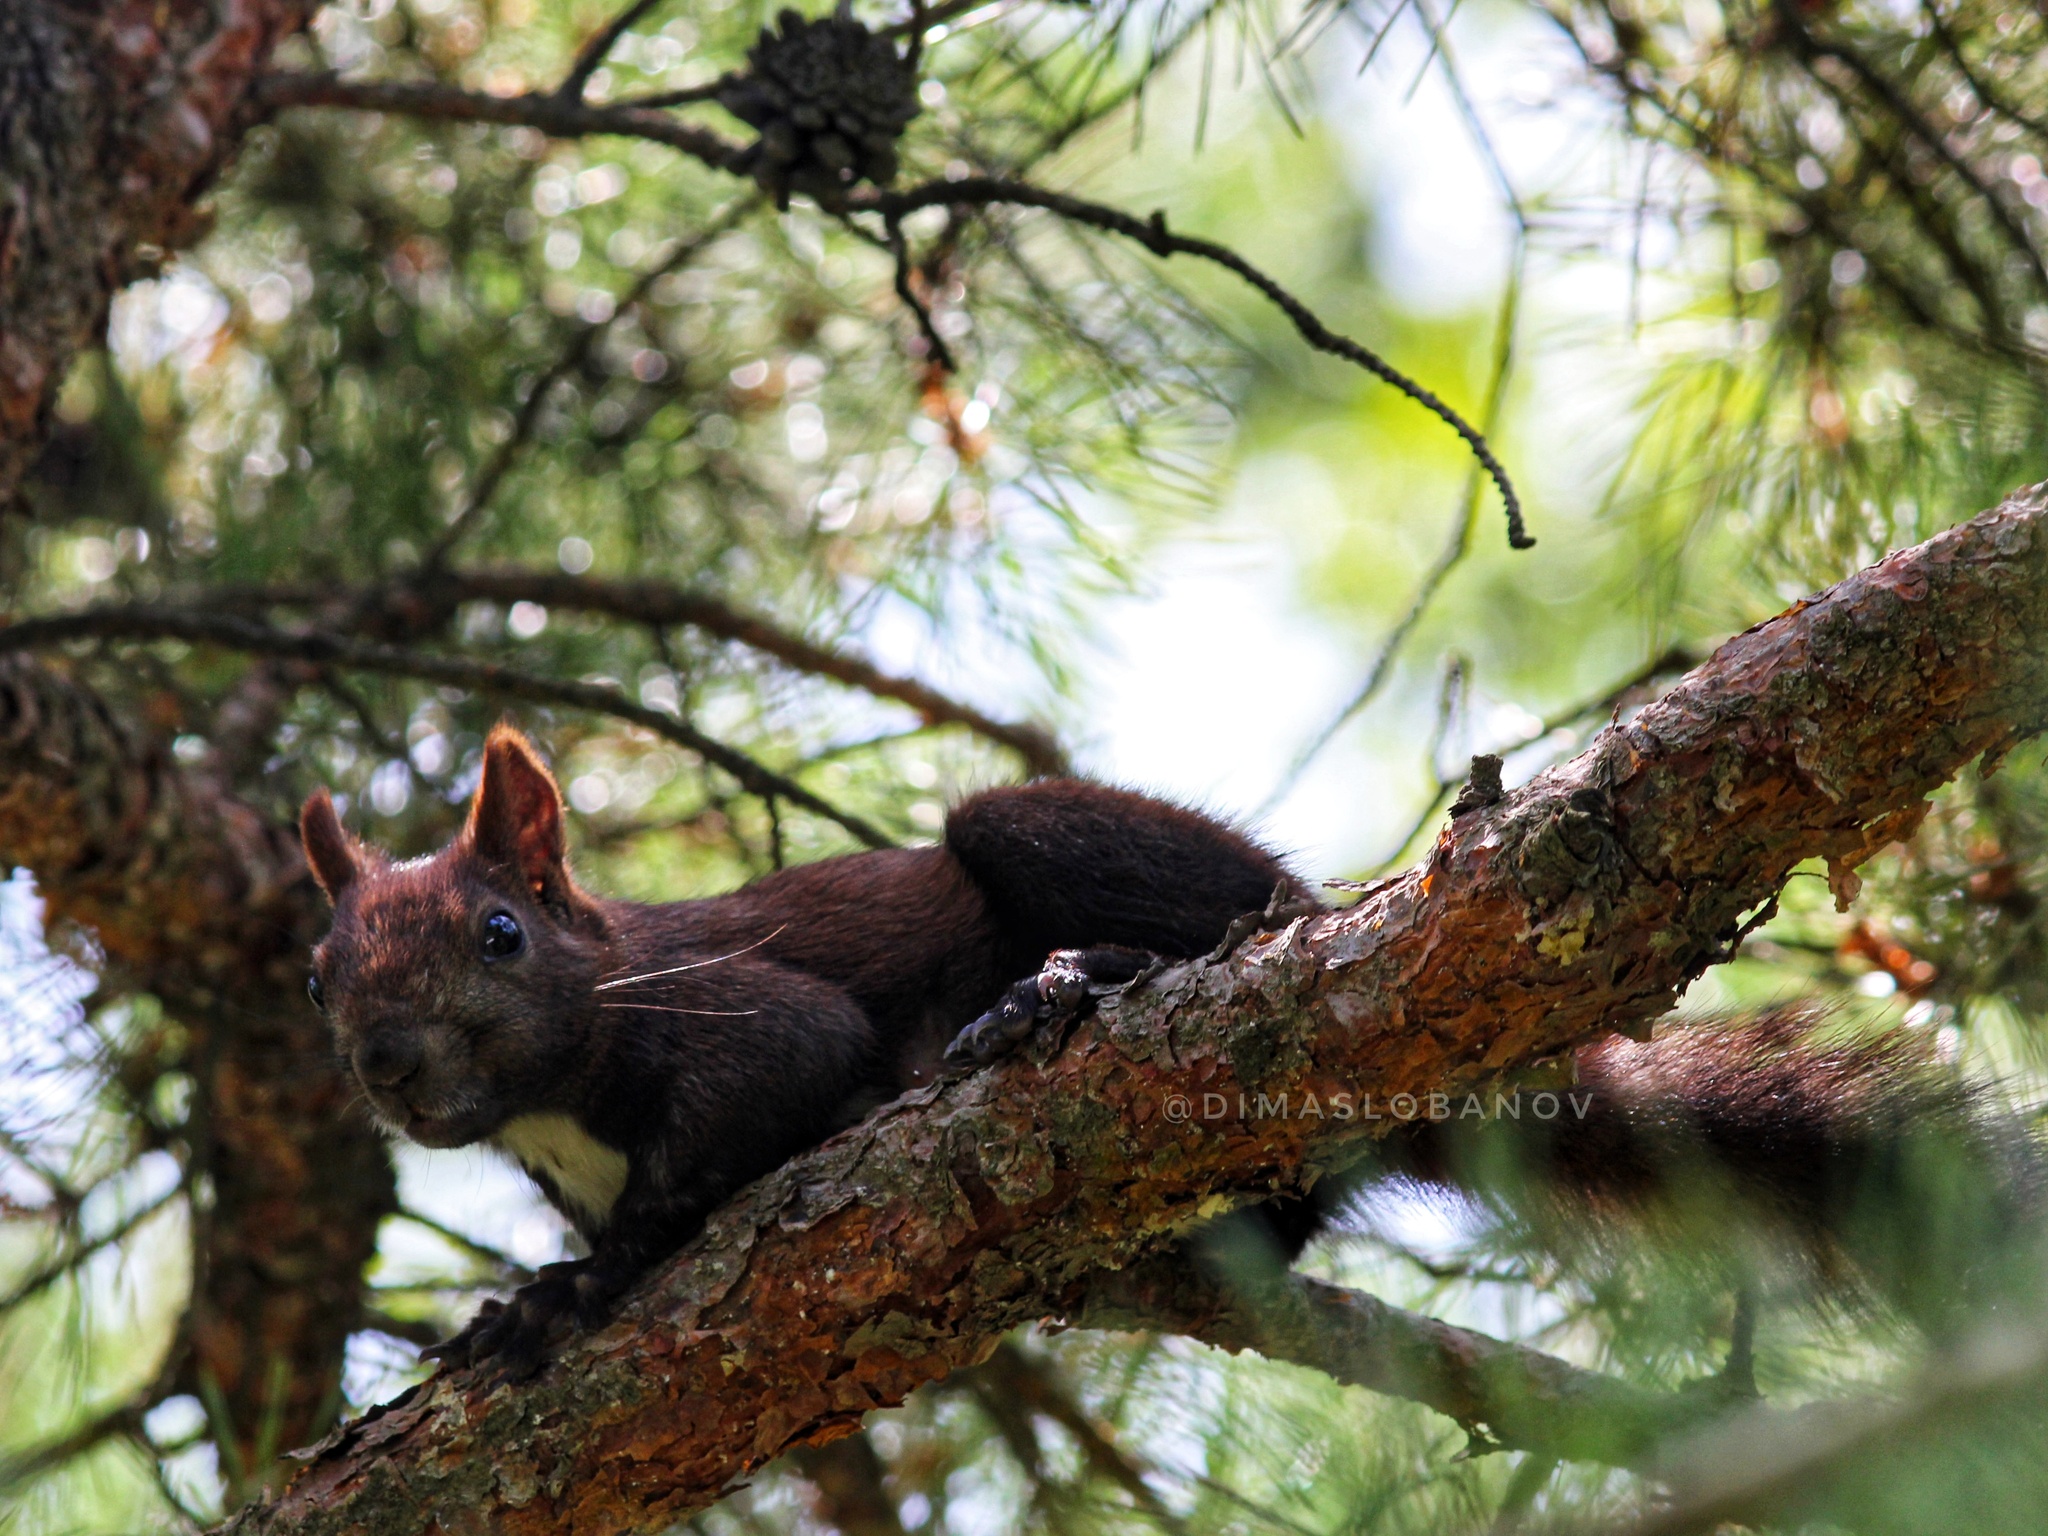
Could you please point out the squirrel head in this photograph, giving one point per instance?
(459, 986)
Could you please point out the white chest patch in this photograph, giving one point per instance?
(588, 1175)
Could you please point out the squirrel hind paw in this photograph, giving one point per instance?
(999, 1031)
(1051, 1001)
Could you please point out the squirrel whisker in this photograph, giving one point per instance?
(695, 965)
(710, 1013)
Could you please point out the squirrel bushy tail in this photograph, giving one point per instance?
(1870, 1168)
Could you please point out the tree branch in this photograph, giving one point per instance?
(1154, 236)
(69, 1261)
(656, 604)
(593, 53)
(145, 622)
(1501, 1394)
(575, 355)
(1830, 1462)
(659, 603)
(19, 1466)
(550, 113)
(903, 1249)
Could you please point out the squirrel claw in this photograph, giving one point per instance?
(511, 1336)
(459, 1348)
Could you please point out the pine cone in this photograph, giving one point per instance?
(830, 99)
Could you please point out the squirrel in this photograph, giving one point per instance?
(643, 1062)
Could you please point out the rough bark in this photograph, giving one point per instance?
(113, 118)
(201, 900)
(904, 1248)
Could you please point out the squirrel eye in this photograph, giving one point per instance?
(316, 992)
(502, 938)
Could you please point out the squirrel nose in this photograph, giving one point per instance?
(386, 1060)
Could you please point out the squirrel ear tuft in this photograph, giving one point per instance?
(516, 817)
(330, 852)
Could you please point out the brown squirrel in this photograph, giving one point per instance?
(643, 1062)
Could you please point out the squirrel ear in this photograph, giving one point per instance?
(330, 851)
(516, 817)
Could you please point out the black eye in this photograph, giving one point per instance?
(316, 992)
(502, 938)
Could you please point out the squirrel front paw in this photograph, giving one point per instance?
(512, 1335)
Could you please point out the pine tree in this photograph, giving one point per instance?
(762, 409)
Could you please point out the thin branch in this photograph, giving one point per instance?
(1810, 48)
(408, 1330)
(345, 694)
(1155, 237)
(508, 1266)
(1454, 552)
(319, 647)
(1982, 89)
(1015, 1376)
(847, 1487)
(57, 1268)
(62, 1195)
(594, 52)
(899, 250)
(1716, 147)
(923, 18)
(19, 1466)
(683, 96)
(659, 605)
(548, 112)
(573, 357)
(1460, 542)
(1675, 660)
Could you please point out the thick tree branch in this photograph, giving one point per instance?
(113, 119)
(904, 1248)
